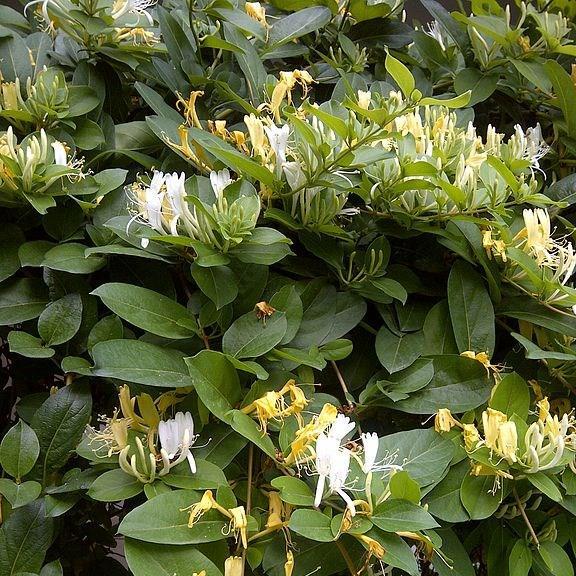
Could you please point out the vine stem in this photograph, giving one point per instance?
(347, 558)
(248, 496)
(342, 383)
(525, 517)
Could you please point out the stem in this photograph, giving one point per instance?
(347, 558)
(342, 383)
(248, 496)
(525, 517)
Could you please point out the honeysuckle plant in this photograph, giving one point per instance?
(287, 289)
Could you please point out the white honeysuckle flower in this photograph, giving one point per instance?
(325, 449)
(340, 466)
(332, 462)
(278, 139)
(60, 154)
(177, 436)
(370, 444)
(138, 7)
(364, 99)
(529, 145)
(176, 194)
(340, 427)
(219, 181)
(436, 31)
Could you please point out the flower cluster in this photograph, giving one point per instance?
(549, 443)
(536, 262)
(168, 209)
(175, 436)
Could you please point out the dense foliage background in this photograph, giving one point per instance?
(286, 288)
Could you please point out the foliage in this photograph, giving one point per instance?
(250, 252)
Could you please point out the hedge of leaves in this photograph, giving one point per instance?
(286, 289)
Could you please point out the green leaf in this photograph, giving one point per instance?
(294, 491)
(459, 383)
(53, 568)
(215, 381)
(244, 425)
(401, 515)
(398, 553)
(217, 282)
(19, 494)
(565, 93)
(452, 548)
(19, 450)
(115, 485)
(520, 560)
(511, 396)
(401, 75)
(59, 424)
(298, 24)
(402, 486)
(146, 559)
(444, 499)
(107, 328)
(71, 258)
(81, 100)
(528, 309)
(25, 537)
(471, 310)
(21, 300)
(61, 320)
(555, 559)
(170, 524)
(477, 496)
(224, 444)
(311, 524)
(424, 454)
(147, 309)
(33, 253)
(11, 238)
(207, 476)
(140, 362)
(397, 352)
(456, 102)
(481, 86)
(249, 337)
(88, 135)
(28, 345)
(288, 301)
(546, 485)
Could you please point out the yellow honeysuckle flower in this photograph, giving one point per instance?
(374, 547)
(289, 564)
(257, 12)
(258, 139)
(197, 510)
(491, 421)
(234, 566)
(189, 107)
(307, 435)
(283, 89)
(275, 510)
(239, 524)
(543, 409)
(444, 421)
(493, 247)
(127, 404)
(471, 436)
(507, 444)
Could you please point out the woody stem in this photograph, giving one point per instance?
(342, 383)
(525, 517)
(347, 559)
